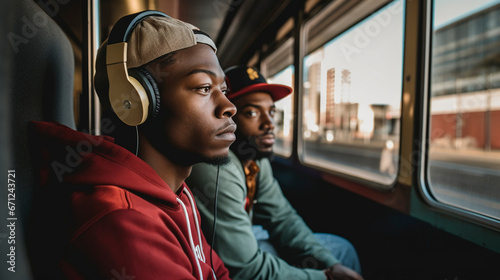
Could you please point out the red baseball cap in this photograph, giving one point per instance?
(242, 79)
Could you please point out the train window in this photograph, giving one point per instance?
(352, 88)
(463, 167)
(278, 68)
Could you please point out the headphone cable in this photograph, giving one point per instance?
(215, 218)
(137, 140)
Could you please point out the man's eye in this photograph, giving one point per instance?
(205, 89)
(251, 113)
(272, 112)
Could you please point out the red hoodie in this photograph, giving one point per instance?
(126, 222)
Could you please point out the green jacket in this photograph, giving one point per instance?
(235, 242)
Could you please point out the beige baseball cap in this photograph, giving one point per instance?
(156, 36)
(153, 37)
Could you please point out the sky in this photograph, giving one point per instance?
(373, 52)
(373, 49)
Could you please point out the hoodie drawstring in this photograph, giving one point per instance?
(196, 222)
(191, 235)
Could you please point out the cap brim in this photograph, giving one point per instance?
(276, 91)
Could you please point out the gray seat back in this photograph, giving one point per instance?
(36, 83)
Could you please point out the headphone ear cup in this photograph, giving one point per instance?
(151, 87)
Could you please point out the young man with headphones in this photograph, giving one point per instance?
(129, 213)
(250, 197)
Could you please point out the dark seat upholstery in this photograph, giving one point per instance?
(36, 83)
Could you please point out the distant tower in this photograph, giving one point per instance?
(345, 85)
(330, 99)
(314, 91)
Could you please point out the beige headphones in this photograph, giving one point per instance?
(133, 93)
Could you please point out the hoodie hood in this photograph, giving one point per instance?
(84, 160)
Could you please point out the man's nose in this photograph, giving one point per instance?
(267, 122)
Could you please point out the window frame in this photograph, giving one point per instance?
(424, 184)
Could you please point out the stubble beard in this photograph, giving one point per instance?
(246, 148)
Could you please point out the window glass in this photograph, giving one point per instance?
(283, 119)
(352, 98)
(464, 152)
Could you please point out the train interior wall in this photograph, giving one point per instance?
(390, 244)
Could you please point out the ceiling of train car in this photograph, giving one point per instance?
(244, 31)
(224, 20)
(207, 15)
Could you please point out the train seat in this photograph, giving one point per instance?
(36, 83)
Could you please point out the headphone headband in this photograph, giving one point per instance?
(123, 28)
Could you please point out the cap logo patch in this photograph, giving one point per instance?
(252, 74)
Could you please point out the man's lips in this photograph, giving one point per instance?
(267, 139)
(227, 133)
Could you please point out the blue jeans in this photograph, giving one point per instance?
(339, 247)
